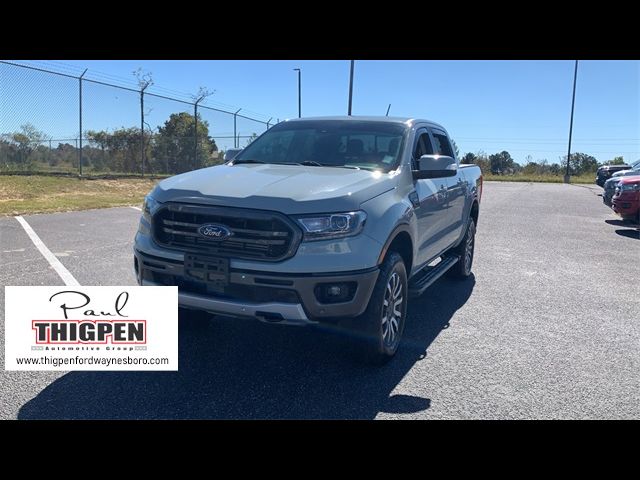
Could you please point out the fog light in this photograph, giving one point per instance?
(335, 292)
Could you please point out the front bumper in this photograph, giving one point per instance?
(300, 305)
(625, 207)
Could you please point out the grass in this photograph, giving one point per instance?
(588, 178)
(43, 194)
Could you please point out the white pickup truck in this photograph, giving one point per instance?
(333, 219)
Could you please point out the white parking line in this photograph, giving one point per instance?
(135, 208)
(60, 269)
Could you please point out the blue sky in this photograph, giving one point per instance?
(519, 106)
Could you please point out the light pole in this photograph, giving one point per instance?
(236, 141)
(567, 176)
(299, 91)
(350, 87)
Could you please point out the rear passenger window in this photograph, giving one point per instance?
(443, 147)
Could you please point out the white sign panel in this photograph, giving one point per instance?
(91, 328)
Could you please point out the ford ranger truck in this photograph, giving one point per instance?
(319, 220)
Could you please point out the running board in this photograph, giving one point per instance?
(428, 275)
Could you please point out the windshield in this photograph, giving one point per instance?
(335, 143)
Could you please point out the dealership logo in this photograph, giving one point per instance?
(53, 328)
(55, 332)
(92, 329)
(214, 231)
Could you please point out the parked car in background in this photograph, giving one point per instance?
(626, 201)
(611, 184)
(604, 173)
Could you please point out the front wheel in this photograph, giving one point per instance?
(380, 327)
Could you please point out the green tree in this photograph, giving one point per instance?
(173, 149)
(531, 168)
(616, 161)
(455, 148)
(480, 158)
(555, 169)
(101, 139)
(123, 146)
(581, 163)
(468, 158)
(501, 163)
(26, 141)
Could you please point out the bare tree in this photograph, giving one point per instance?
(144, 79)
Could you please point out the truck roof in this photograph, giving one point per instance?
(371, 118)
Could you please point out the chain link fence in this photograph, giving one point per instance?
(61, 123)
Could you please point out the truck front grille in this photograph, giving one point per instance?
(256, 234)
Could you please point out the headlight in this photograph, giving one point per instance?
(332, 225)
(149, 207)
(630, 187)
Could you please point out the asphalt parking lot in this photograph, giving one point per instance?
(547, 328)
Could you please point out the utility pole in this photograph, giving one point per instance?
(144, 87)
(350, 87)
(195, 134)
(235, 130)
(268, 122)
(388, 108)
(80, 118)
(567, 176)
(299, 92)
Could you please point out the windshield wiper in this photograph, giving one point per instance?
(305, 163)
(318, 164)
(248, 160)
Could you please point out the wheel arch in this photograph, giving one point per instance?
(400, 241)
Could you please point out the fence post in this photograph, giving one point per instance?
(235, 134)
(80, 119)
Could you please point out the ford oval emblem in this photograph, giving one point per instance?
(214, 231)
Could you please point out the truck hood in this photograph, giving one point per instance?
(290, 189)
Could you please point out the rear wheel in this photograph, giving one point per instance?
(466, 250)
(380, 327)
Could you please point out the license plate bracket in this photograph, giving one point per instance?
(213, 271)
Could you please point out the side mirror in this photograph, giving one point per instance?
(231, 153)
(435, 166)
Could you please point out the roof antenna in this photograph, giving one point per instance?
(388, 108)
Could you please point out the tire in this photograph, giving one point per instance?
(193, 320)
(378, 330)
(466, 250)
